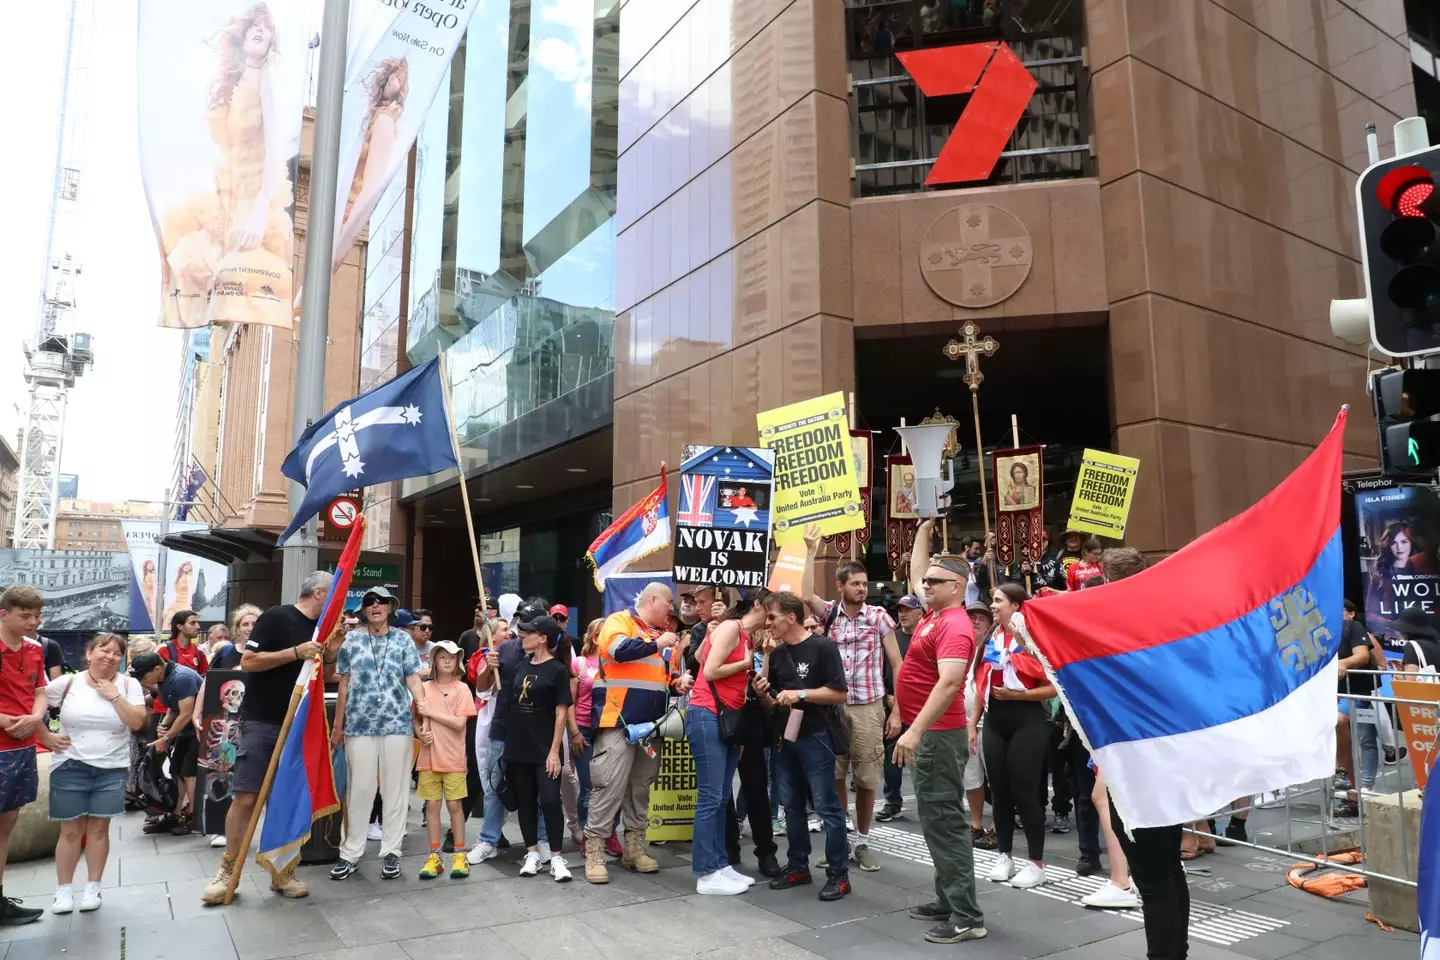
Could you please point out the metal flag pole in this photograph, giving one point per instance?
(303, 556)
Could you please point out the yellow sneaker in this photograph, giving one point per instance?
(432, 868)
(459, 868)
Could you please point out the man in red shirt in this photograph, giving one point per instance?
(22, 711)
(1089, 566)
(928, 691)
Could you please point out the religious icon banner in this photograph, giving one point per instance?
(722, 527)
(901, 520)
(815, 478)
(1019, 504)
(221, 87)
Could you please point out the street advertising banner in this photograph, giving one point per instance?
(1419, 724)
(1396, 548)
(673, 794)
(722, 527)
(221, 697)
(815, 479)
(1104, 490)
(403, 53)
(221, 94)
(1019, 504)
(191, 582)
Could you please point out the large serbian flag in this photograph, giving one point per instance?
(636, 533)
(1211, 676)
(302, 788)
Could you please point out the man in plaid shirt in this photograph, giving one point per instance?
(865, 637)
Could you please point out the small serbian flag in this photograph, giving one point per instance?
(302, 789)
(636, 533)
(1212, 675)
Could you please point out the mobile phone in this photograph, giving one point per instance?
(759, 661)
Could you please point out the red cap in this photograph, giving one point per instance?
(560, 610)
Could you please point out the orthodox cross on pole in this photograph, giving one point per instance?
(971, 349)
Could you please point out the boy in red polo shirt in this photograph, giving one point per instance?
(22, 711)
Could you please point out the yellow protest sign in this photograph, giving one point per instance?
(1104, 489)
(673, 794)
(815, 478)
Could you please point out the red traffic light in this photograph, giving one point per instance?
(1407, 191)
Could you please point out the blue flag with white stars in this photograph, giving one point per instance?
(396, 430)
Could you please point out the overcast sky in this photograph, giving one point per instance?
(120, 427)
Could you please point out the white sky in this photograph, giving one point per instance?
(120, 427)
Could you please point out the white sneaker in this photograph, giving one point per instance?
(479, 853)
(1030, 875)
(559, 870)
(218, 840)
(815, 824)
(849, 825)
(720, 884)
(91, 899)
(531, 866)
(64, 901)
(734, 874)
(545, 852)
(376, 832)
(1003, 870)
(1111, 897)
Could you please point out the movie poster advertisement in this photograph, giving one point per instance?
(1394, 552)
(222, 696)
(722, 528)
(191, 582)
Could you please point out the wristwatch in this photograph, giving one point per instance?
(804, 694)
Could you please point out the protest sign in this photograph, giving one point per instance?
(815, 478)
(789, 568)
(219, 739)
(1104, 490)
(673, 794)
(722, 529)
(1418, 723)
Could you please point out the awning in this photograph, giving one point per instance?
(224, 546)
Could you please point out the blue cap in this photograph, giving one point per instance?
(404, 618)
(911, 601)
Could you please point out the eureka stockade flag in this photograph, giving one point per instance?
(1211, 675)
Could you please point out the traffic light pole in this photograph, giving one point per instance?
(301, 556)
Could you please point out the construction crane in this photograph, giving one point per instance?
(55, 354)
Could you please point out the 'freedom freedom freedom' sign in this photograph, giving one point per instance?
(815, 479)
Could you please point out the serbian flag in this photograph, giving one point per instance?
(302, 785)
(1211, 676)
(636, 533)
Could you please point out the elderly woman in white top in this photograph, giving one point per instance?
(98, 710)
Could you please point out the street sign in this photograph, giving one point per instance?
(342, 513)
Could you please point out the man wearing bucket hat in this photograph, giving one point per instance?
(379, 670)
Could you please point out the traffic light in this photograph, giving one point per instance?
(1399, 211)
(1407, 409)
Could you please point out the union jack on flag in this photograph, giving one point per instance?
(695, 491)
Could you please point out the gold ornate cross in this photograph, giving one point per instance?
(971, 348)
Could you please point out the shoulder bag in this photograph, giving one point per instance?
(831, 714)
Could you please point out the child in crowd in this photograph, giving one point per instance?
(440, 725)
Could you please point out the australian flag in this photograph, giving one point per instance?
(396, 430)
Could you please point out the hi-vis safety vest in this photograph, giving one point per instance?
(634, 690)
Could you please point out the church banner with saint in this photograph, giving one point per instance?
(901, 520)
(815, 478)
(722, 526)
(221, 95)
(1019, 504)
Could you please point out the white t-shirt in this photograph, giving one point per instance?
(97, 734)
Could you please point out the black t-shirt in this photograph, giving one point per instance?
(902, 640)
(54, 655)
(538, 689)
(226, 658)
(512, 656)
(267, 692)
(1430, 648)
(1353, 637)
(808, 665)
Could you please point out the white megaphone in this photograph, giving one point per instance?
(933, 473)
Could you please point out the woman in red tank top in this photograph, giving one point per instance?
(724, 672)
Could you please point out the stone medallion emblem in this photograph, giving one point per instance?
(976, 255)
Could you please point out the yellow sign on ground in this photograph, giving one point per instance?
(815, 478)
(1104, 489)
(673, 794)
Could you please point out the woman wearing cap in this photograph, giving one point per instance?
(379, 670)
(534, 742)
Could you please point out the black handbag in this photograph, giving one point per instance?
(739, 728)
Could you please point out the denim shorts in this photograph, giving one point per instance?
(79, 790)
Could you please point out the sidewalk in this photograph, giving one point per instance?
(1242, 907)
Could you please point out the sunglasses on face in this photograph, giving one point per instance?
(936, 581)
(424, 626)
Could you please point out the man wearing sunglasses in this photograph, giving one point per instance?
(421, 627)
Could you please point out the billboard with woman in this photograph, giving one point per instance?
(1396, 550)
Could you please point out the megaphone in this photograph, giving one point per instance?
(934, 475)
(636, 732)
(671, 726)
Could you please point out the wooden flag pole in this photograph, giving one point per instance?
(464, 491)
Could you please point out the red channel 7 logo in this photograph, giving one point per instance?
(1000, 88)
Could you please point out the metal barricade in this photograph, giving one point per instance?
(1310, 815)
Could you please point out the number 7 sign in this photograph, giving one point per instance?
(1000, 88)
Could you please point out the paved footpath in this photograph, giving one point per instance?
(1242, 907)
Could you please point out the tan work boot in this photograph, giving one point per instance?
(215, 891)
(637, 856)
(289, 886)
(595, 870)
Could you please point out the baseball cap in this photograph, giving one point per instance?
(404, 618)
(543, 625)
(560, 610)
(144, 663)
(911, 602)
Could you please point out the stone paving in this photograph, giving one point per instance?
(152, 911)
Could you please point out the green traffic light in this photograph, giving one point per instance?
(1414, 449)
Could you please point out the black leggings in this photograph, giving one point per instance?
(754, 781)
(1017, 740)
(534, 786)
